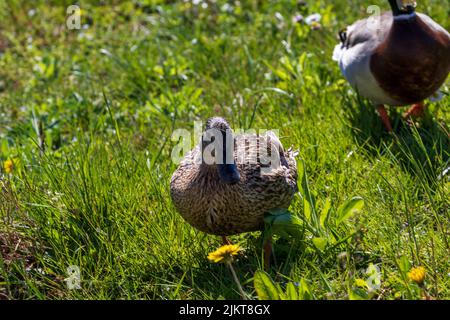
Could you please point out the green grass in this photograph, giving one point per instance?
(88, 116)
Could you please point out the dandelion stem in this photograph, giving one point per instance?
(241, 291)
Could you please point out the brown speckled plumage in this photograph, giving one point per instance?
(222, 209)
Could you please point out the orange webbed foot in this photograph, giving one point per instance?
(416, 110)
(384, 117)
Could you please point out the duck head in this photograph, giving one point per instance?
(400, 7)
(218, 150)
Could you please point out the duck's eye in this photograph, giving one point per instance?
(343, 35)
(408, 4)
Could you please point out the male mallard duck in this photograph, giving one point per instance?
(400, 61)
(230, 197)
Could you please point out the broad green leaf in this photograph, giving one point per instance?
(50, 69)
(4, 148)
(283, 223)
(349, 208)
(265, 287)
(357, 294)
(286, 63)
(307, 209)
(309, 201)
(325, 212)
(281, 294)
(304, 292)
(197, 93)
(320, 243)
(302, 59)
(291, 292)
(404, 264)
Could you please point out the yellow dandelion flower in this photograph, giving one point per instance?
(360, 283)
(224, 253)
(417, 275)
(8, 165)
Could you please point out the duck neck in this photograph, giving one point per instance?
(394, 7)
(409, 9)
(225, 166)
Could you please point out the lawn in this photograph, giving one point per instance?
(86, 123)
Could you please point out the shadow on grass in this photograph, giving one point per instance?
(215, 281)
(419, 146)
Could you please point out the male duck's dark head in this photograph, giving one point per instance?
(218, 137)
(402, 7)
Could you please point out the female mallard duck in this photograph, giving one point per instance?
(230, 197)
(400, 61)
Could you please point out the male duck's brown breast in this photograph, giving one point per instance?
(413, 62)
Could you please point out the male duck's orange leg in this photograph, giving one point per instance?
(416, 110)
(384, 117)
(267, 252)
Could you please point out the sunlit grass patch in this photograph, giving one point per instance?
(86, 118)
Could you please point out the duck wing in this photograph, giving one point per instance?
(369, 32)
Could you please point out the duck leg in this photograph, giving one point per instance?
(226, 240)
(384, 117)
(267, 252)
(416, 110)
